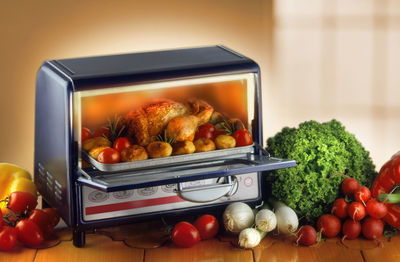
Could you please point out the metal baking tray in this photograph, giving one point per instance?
(167, 161)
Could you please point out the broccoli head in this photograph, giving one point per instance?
(321, 150)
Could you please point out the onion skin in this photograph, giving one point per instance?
(265, 220)
(249, 238)
(286, 218)
(238, 216)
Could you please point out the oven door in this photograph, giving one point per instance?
(211, 182)
(177, 174)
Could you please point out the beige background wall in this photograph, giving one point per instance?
(340, 59)
(302, 77)
(33, 31)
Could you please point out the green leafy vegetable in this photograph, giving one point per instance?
(320, 150)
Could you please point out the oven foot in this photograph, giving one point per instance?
(45, 204)
(78, 237)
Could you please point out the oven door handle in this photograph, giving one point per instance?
(208, 193)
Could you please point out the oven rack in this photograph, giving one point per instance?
(167, 161)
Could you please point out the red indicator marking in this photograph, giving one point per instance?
(132, 205)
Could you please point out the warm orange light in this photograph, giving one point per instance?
(228, 97)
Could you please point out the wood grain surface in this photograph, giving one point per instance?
(149, 242)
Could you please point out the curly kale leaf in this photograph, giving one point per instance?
(320, 150)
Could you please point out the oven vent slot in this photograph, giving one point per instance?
(49, 184)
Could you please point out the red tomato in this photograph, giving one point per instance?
(19, 201)
(185, 234)
(205, 131)
(243, 137)
(219, 132)
(29, 233)
(1, 220)
(85, 133)
(102, 131)
(42, 219)
(121, 143)
(207, 225)
(8, 238)
(53, 216)
(109, 156)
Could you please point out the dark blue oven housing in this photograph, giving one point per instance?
(57, 176)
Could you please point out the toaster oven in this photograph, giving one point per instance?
(139, 95)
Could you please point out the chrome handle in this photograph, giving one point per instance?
(207, 193)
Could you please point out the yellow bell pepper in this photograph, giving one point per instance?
(14, 178)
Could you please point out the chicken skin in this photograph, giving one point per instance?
(180, 120)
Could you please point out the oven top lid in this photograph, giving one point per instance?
(153, 65)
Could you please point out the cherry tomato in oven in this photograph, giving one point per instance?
(102, 131)
(29, 233)
(19, 201)
(8, 238)
(219, 132)
(42, 220)
(205, 131)
(207, 225)
(85, 134)
(121, 143)
(243, 137)
(185, 234)
(53, 216)
(109, 156)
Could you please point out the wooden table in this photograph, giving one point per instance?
(149, 242)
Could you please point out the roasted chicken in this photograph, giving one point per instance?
(179, 120)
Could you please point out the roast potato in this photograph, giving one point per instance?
(95, 151)
(90, 143)
(183, 147)
(204, 145)
(224, 142)
(159, 149)
(133, 153)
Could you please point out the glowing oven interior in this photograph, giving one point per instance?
(232, 95)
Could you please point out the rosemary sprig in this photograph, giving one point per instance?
(116, 128)
(229, 128)
(165, 138)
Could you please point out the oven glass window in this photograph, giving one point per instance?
(171, 111)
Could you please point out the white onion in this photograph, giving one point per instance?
(286, 218)
(249, 238)
(238, 216)
(265, 220)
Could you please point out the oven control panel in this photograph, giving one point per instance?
(97, 204)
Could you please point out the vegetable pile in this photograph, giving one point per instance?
(24, 223)
(363, 211)
(14, 178)
(320, 150)
(239, 219)
(353, 214)
(19, 218)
